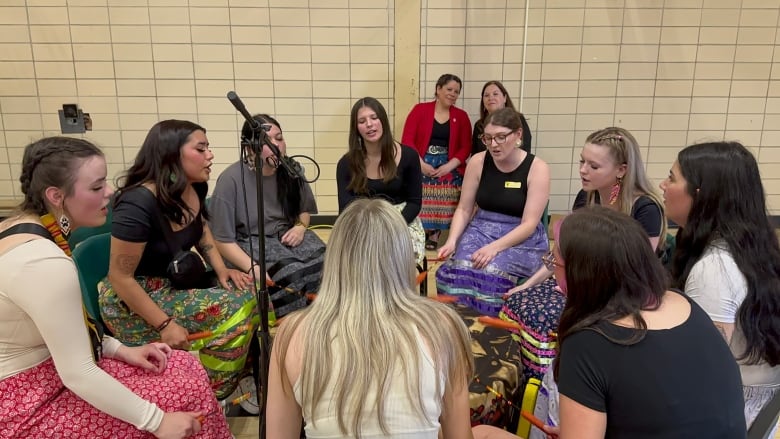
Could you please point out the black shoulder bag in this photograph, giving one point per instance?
(186, 270)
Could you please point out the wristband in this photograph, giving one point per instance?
(164, 324)
(251, 266)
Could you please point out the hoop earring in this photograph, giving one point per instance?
(615, 193)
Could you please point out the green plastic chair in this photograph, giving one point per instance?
(91, 258)
(546, 217)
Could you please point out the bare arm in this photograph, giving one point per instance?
(541, 275)
(465, 209)
(455, 418)
(234, 254)
(208, 249)
(283, 414)
(726, 330)
(580, 422)
(123, 261)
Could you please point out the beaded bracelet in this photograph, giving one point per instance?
(164, 324)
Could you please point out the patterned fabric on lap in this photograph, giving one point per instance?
(483, 289)
(231, 314)
(43, 407)
(537, 310)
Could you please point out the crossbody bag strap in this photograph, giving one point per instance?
(165, 225)
(29, 228)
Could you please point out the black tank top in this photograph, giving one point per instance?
(504, 192)
(440, 136)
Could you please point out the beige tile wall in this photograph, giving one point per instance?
(672, 71)
(130, 63)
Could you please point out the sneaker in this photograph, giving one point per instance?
(250, 405)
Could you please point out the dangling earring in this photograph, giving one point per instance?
(172, 177)
(519, 143)
(613, 195)
(64, 225)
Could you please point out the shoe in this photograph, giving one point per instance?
(250, 405)
(432, 240)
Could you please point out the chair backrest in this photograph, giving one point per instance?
(91, 258)
(766, 420)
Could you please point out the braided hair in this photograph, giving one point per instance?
(51, 162)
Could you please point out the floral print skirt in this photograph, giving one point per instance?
(39, 405)
(231, 315)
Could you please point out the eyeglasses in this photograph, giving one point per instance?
(549, 261)
(499, 138)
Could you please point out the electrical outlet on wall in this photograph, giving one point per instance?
(72, 119)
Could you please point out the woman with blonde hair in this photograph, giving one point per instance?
(370, 358)
(611, 169)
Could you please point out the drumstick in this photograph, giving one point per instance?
(421, 277)
(498, 323)
(532, 419)
(203, 334)
(444, 298)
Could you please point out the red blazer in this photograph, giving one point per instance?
(419, 127)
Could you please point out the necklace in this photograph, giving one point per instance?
(54, 229)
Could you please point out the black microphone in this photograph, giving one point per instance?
(236, 101)
(261, 132)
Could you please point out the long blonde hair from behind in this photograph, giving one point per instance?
(624, 149)
(366, 311)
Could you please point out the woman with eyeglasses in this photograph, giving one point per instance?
(495, 97)
(636, 360)
(503, 241)
(440, 133)
(611, 170)
(728, 259)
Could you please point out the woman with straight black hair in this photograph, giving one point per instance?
(728, 258)
(635, 359)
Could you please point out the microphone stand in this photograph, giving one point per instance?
(261, 292)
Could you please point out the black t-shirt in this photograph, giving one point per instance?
(405, 187)
(504, 192)
(645, 211)
(681, 382)
(136, 219)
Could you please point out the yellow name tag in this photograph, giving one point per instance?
(513, 184)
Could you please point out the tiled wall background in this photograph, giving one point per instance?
(130, 63)
(671, 71)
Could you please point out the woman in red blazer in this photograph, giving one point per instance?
(441, 134)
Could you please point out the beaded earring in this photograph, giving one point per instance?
(613, 195)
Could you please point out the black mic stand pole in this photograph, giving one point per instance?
(261, 291)
(262, 295)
